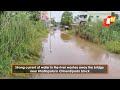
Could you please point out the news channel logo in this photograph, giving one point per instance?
(108, 21)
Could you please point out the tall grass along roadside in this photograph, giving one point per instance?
(20, 40)
(109, 37)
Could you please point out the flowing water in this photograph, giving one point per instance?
(61, 48)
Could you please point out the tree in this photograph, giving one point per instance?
(34, 15)
(89, 19)
(66, 18)
(116, 15)
(53, 22)
(1, 12)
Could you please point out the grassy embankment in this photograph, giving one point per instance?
(108, 37)
(20, 41)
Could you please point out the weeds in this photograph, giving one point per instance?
(107, 36)
(20, 39)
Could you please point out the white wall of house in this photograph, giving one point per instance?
(101, 15)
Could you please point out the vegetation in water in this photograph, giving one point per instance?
(95, 32)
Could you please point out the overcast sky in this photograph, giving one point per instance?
(58, 14)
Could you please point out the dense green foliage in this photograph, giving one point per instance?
(34, 16)
(54, 22)
(106, 36)
(20, 39)
(66, 18)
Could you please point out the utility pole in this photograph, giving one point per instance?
(50, 18)
(50, 33)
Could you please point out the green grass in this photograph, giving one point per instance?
(113, 46)
(20, 41)
(70, 32)
(106, 36)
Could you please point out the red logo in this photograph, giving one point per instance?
(109, 20)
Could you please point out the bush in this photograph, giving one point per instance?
(115, 26)
(113, 46)
(34, 16)
(95, 32)
(19, 40)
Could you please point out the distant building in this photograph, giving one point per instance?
(84, 16)
(45, 17)
(95, 15)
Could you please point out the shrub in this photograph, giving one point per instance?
(95, 32)
(113, 46)
(19, 39)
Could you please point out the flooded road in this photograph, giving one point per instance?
(60, 48)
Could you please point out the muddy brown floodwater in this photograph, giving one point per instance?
(60, 48)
